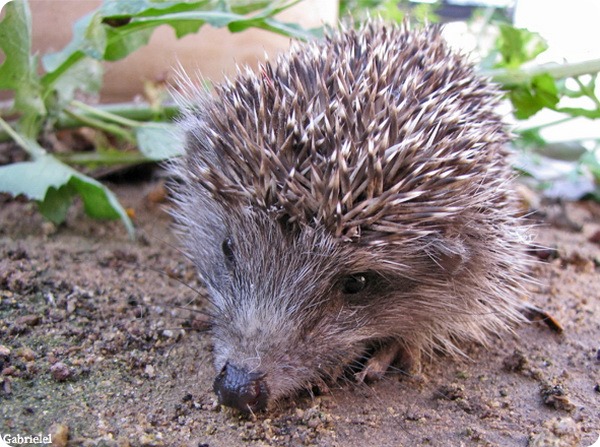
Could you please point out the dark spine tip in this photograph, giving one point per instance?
(237, 388)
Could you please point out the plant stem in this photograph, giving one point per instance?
(589, 92)
(127, 110)
(543, 126)
(105, 115)
(30, 146)
(95, 158)
(102, 125)
(510, 78)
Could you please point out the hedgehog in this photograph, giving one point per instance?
(350, 204)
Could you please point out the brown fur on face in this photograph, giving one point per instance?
(354, 194)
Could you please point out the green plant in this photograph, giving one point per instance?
(42, 102)
(533, 88)
(391, 10)
(46, 102)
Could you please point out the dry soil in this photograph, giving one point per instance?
(98, 347)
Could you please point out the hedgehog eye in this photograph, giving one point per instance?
(227, 247)
(352, 284)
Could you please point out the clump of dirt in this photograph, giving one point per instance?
(102, 343)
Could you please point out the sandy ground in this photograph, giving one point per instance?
(97, 349)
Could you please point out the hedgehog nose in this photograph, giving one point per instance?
(240, 389)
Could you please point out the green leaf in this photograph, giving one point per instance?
(531, 138)
(18, 71)
(89, 38)
(124, 41)
(287, 29)
(264, 20)
(15, 41)
(53, 184)
(545, 90)
(120, 27)
(33, 178)
(56, 204)
(518, 45)
(130, 8)
(159, 141)
(390, 11)
(248, 6)
(84, 76)
(529, 99)
(218, 19)
(575, 111)
(98, 201)
(118, 14)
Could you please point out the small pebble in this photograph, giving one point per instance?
(26, 354)
(60, 372)
(48, 228)
(4, 352)
(149, 371)
(150, 440)
(556, 397)
(60, 435)
(28, 320)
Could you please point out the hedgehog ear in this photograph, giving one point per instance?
(450, 254)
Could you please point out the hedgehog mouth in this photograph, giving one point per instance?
(241, 389)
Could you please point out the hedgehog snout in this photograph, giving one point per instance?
(238, 388)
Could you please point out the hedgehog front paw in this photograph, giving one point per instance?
(409, 361)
